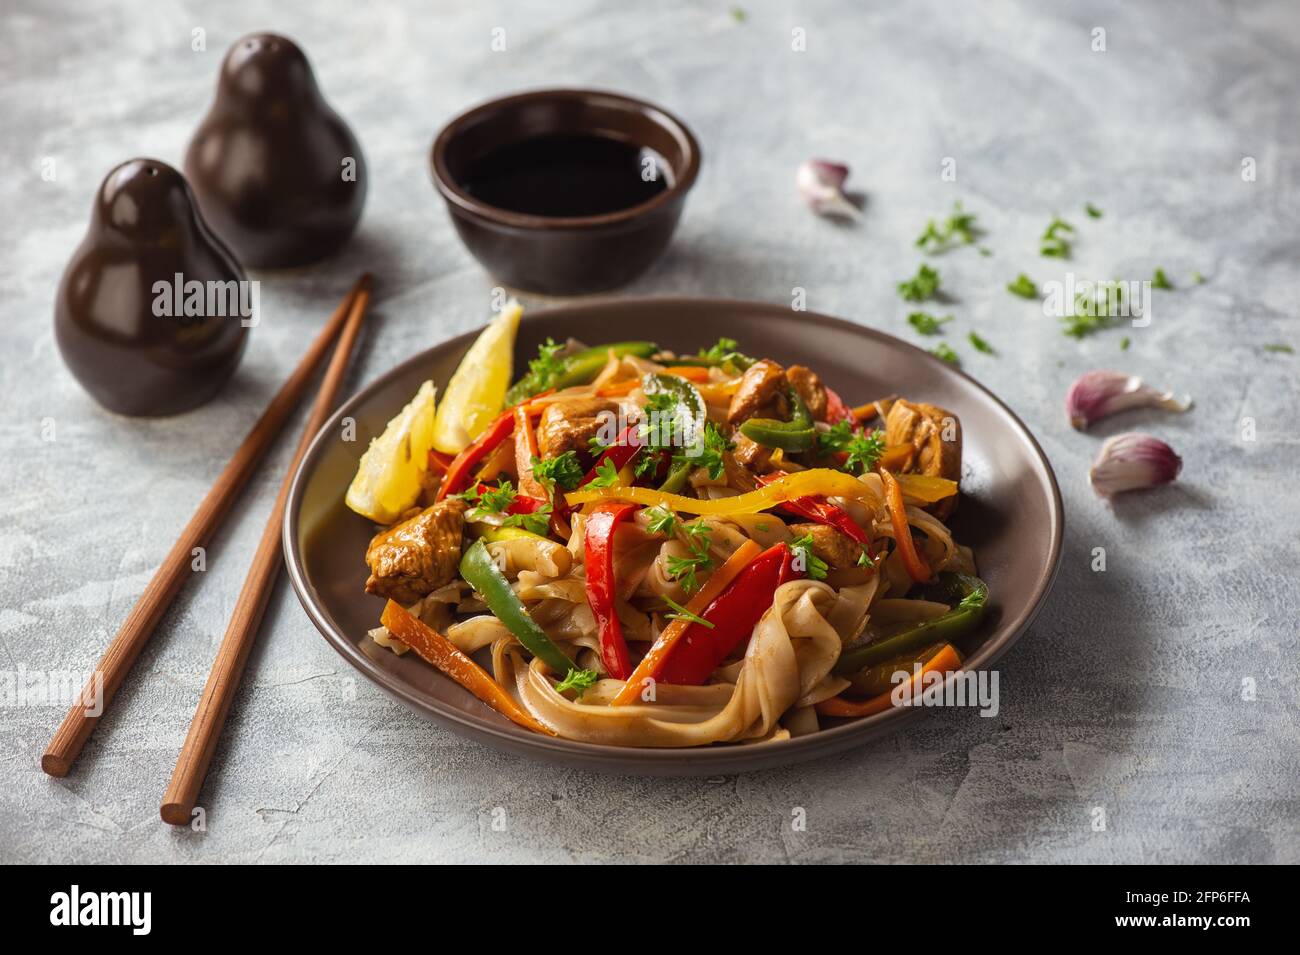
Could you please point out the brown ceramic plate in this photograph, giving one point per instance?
(1010, 513)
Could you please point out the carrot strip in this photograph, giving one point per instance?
(945, 661)
(652, 663)
(525, 451)
(916, 568)
(443, 654)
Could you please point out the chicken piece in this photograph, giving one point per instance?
(751, 454)
(836, 548)
(419, 555)
(761, 394)
(809, 386)
(570, 425)
(934, 435)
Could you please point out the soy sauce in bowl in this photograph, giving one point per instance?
(567, 175)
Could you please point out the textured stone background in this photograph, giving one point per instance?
(1127, 692)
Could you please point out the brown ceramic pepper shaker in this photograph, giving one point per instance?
(278, 173)
(153, 310)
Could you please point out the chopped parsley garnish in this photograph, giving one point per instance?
(979, 344)
(1056, 241)
(606, 475)
(579, 680)
(684, 614)
(684, 569)
(974, 599)
(537, 522)
(562, 470)
(1160, 280)
(1198, 278)
(1092, 210)
(835, 438)
(958, 229)
(943, 351)
(708, 454)
(1023, 286)
(1279, 348)
(545, 368)
(489, 500)
(864, 450)
(866, 560)
(725, 353)
(662, 520)
(922, 286)
(813, 566)
(595, 445)
(927, 324)
(1124, 343)
(1095, 308)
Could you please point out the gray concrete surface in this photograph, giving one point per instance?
(1125, 699)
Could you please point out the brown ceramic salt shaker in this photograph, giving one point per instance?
(277, 171)
(152, 313)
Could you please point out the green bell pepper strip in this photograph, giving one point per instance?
(580, 368)
(797, 434)
(879, 678)
(482, 573)
(957, 622)
(692, 416)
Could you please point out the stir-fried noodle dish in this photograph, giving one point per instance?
(651, 549)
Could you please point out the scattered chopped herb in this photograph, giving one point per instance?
(595, 445)
(662, 521)
(538, 522)
(943, 351)
(1023, 286)
(763, 527)
(684, 614)
(835, 438)
(1280, 348)
(1160, 280)
(739, 15)
(979, 344)
(985, 251)
(813, 566)
(725, 353)
(864, 451)
(866, 560)
(1057, 239)
(958, 229)
(1124, 343)
(490, 500)
(927, 324)
(606, 475)
(579, 680)
(709, 454)
(1092, 210)
(1198, 278)
(545, 368)
(684, 569)
(922, 286)
(1095, 308)
(563, 470)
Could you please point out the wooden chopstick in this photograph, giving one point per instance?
(223, 682)
(175, 569)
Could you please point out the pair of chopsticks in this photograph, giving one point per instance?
(205, 730)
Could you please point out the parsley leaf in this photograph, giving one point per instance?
(979, 344)
(538, 522)
(1160, 280)
(579, 680)
(835, 438)
(563, 470)
(1092, 210)
(1057, 239)
(709, 453)
(958, 229)
(866, 560)
(1279, 348)
(804, 558)
(1096, 307)
(725, 353)
(1124, 343)
(684, 614)
(492, 500)
(927, 324)
(662, 520)
(1023, 286)
(922, 286)
(864, 450)
(684, 569)
(944, 352)
(606, 475)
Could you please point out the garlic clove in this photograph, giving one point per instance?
(1132, 462)
(821, 183)
(1098, 394)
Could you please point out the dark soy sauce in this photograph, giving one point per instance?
(562, 176)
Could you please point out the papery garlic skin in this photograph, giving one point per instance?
(821, 183)
(1133, 462)
(1101, 393)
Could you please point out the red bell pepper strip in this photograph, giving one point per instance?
(819, 510)
(623, 450)
(601, 586)
(459, 471)
(837, 410)
(733, 614)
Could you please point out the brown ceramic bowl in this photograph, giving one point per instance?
(564, 255)
(1010, 512)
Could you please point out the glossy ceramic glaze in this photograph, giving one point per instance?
(564, 255)
(145, 229)
(1010, 512)
(278, 173)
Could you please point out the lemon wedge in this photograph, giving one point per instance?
(477, 391)
(388, 475)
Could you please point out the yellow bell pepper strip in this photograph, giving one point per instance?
(620, 388)
(815, 482)
(946, 660)
(956, 623)
(797, 434)
(652, 663)
(924, 489)
(879, 678)
(916, 568)
(580, 368)
(482, 573)
(602, 588)
(436, 649)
